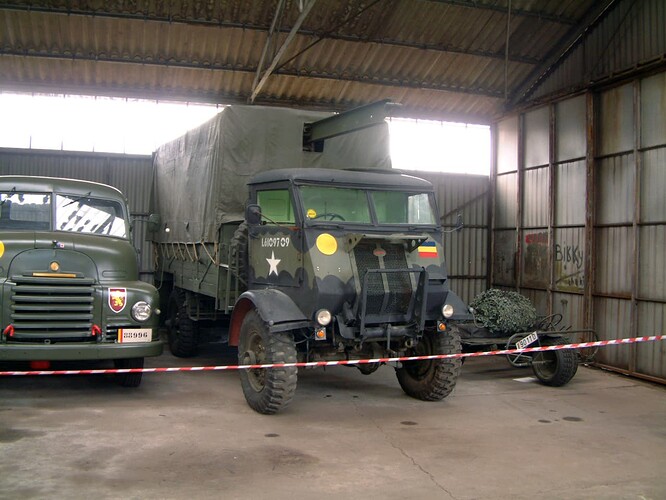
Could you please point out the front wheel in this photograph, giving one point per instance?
(431, 380)
(266, 390)
(555, 368)
(128, 379)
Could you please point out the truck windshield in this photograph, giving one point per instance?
(25, 211)
(353, 205)
(84, 214)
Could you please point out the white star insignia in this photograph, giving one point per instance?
(273, 263)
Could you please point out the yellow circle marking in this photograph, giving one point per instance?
(312, 213)
(327, 244)
(2, 248)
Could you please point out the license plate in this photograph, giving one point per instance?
(131, 335)
(530, 339)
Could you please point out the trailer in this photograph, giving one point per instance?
(553, 368)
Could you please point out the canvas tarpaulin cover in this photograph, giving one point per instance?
(201, 177)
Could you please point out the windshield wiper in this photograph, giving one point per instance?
(8, 195)
(78, 198)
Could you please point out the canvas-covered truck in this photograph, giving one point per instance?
(69, 286)
(265, 245)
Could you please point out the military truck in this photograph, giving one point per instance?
(266, 245)
(69, 287)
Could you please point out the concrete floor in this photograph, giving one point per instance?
(191, 435)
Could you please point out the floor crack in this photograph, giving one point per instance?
(387, 437)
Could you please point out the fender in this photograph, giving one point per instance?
(461, 310)
(273, 306)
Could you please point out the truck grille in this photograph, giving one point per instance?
(387, 293)
(54, 309)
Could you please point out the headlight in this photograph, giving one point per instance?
(323, 317)
(447, 311)
(141, 311)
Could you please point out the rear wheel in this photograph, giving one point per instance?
(431, 380)
(266, 390)
(555, 368)
(183, 338)
(128, 379)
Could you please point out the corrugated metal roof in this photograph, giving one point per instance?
(439, 58)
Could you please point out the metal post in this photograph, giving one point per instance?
(590, 260)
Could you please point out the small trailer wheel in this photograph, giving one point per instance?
(555, 368)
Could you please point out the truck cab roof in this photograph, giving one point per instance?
(55, 184)
(361, 178)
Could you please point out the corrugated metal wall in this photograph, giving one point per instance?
(579, 215)
(466, 251)
(630, 36)
(131, 174)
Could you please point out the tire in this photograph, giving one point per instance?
(585, 354)
(555, 368)
(128, 379)
(183, 335)
(435, 379)
(368, 368)
(266, 390)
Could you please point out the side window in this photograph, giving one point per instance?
(276, 206)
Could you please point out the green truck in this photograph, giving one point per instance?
(267, 245)
(69, 286)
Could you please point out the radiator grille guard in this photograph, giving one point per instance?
(388, 293)
(52, 309)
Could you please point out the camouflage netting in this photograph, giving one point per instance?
(503, 312)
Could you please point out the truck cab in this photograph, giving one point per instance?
(346, 265)
(69, 286)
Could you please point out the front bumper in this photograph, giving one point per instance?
(79, 351)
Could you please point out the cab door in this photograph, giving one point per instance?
(275, 244)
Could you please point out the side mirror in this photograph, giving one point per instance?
(459, 222)
(253, 214)
(458, 227)
(154, 222)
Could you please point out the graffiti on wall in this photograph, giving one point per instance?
(569, 263)
(535, 268)
(568, 259)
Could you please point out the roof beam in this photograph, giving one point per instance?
(260, 81)
(560, 50)
(224, 98)
(475, 4)
(389, 81)
(263, 28)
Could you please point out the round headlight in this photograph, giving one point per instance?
(447, 311)
(141, 311)
(323, 317)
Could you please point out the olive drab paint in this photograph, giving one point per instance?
(69, 276)
(291, 261)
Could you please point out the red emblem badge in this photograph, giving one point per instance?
(117, 299)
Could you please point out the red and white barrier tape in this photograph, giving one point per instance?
(312, 364)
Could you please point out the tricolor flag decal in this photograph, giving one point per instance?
(428, 249)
